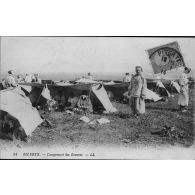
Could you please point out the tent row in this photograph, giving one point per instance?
(20, 102)
(114, 90)
(19, 107)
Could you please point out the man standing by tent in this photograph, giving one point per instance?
(137, 92)
(184, 90)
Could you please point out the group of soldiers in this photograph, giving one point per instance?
(136, 89)
(138, 86)
(11, 81)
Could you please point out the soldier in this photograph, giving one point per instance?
(137, 90)
(89, 76)
(127, 77)
(10, 80)
(19, 79)
(85, 103)
(37, 78)
(28, 78)
(184, 90)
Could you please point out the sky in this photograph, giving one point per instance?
(84, 54)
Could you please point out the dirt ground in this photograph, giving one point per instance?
(123, 129)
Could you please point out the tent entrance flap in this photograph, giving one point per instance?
(100, 99)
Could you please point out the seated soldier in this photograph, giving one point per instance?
(10, 80)
(19, 79)
(72, 100)
(85, 103)
(62, 103)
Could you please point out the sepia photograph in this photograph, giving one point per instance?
(90, 97)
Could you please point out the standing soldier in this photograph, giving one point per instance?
(137, 92)
(184, 90)
(127, 77)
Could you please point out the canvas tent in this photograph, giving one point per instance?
(46, 93)
(117, 90)
(150, 95)
(161, 90)
(38, 94)
(56, 91)
(26, 89)
(62, 83)
(176, 86)
(35, 95)
(84, 80)
(15, 103)
(109, 83)
(99, 98)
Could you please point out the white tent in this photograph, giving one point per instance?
(63, 83)
(46, 93)
(26, 88)
(150, 95)
(14, 102)
(100, 93)
(109, 83)
(84, 80)
(162, 90)
(176, 86)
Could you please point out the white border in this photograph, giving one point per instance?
(102, 18)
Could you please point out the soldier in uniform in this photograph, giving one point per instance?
(137, 92)
(10, 80)
(184, 90)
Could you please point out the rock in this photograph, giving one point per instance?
(103, 121)
(84, 119)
